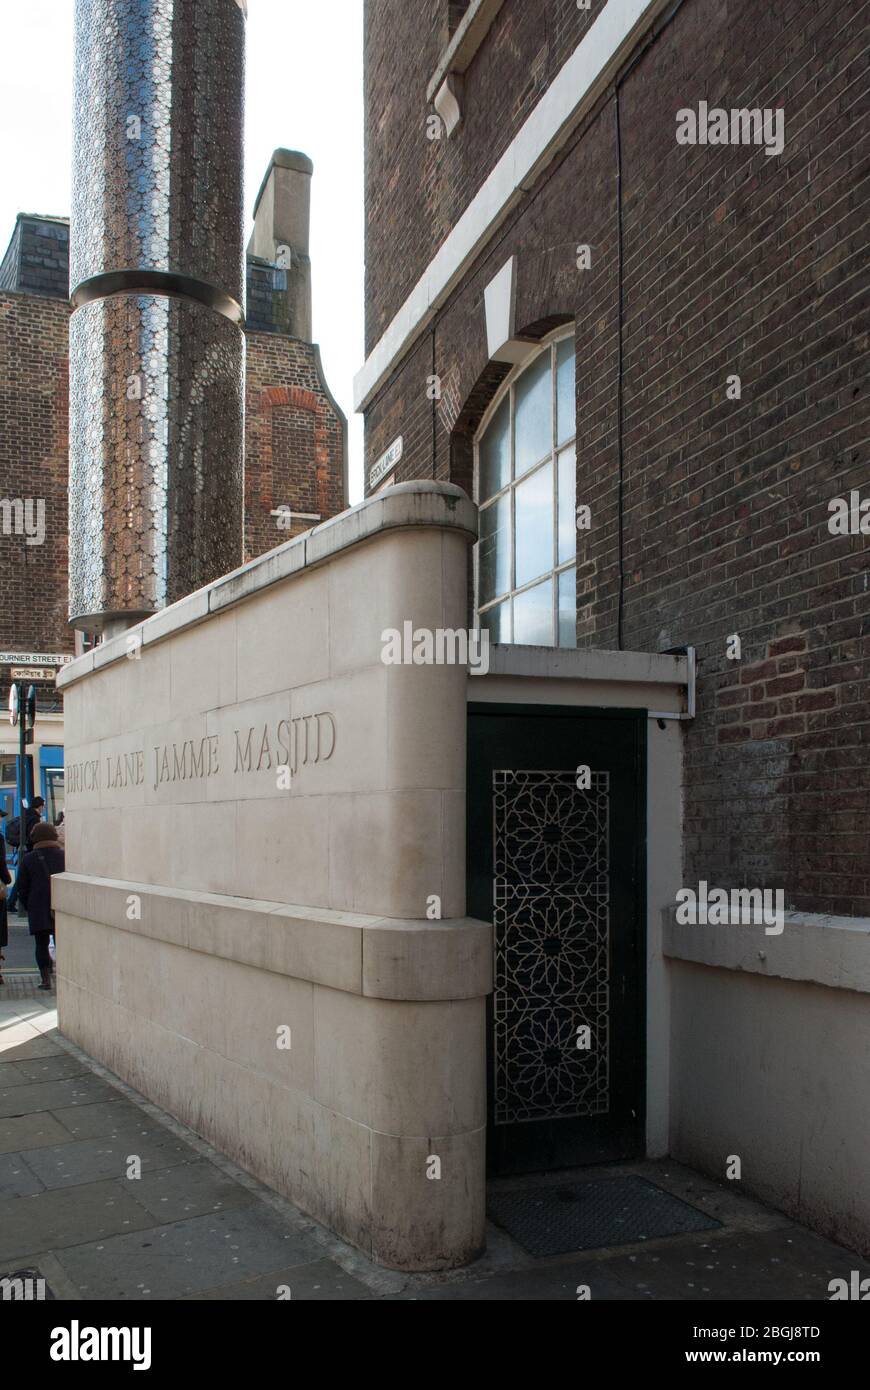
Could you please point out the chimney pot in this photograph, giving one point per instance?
(282, 214)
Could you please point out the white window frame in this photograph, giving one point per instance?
(549, 345)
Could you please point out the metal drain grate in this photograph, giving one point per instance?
(555, 1220)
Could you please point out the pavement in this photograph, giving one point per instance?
(194, 1226)
(19, 956)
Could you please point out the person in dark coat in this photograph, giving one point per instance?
(5, 879)
(32, 817)
(12, 832)
(34, 889)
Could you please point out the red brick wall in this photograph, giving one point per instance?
(295, 456)
(416, 188)
(34, 403)
(733, 262)
(294, 440)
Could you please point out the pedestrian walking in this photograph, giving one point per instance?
(5, 880)
(32, 818)
(34, 888)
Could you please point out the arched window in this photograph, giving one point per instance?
(525, 486)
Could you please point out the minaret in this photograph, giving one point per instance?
(157, 288)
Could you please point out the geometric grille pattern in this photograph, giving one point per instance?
(157, 274)
(552, 945)
(167, 196)
(156, 483)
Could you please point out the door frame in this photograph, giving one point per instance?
(639, 935)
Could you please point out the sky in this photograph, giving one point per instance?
(304, 92)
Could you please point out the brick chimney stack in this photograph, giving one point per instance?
(281, 222)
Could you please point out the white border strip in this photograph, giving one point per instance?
(572, 92)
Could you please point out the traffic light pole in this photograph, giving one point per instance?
(22, 708)
(22, 776)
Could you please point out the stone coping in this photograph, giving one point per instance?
(381, 958)
(283, 159)
(403, 506)
(813, 948)
(584, 663)
(470, 34)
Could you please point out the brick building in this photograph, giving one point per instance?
(295, 438)
(617, 290)
(709, 499)
(295, 433)
(595, 889)
(34, 408)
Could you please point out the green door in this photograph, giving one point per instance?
(556, 840)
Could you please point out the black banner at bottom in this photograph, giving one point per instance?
(154, 1337)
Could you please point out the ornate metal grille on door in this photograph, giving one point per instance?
(552, 945)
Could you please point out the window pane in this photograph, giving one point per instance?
(565, 391)
(495, 452)
(568, 608)
(534, 539)
(567, 505)
(533, 616)
(534, 410)
(497, 622)
(494, 550)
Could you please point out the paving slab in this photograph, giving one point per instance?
(788, 1264)
(25, 987)
(39, 1069)
(47, 1267)
(192, 1189)
(12, 1075)
(53, 1095)
(29, 1009)
(195, 1227)
(15, 1033)
(532, 1285)
(186, 1256)
(319, 1282)
(51, 1068)
(33, 1131)
(37, 1045)
(110, 1118)
(53, 1220)
(90, 1160)
(16, 1179)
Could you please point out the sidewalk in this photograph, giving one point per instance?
(194, 1226)
(20, 956)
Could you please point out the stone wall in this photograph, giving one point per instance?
(770, 1036)
(259, 813)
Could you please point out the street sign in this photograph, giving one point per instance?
(35, 658)
(33, 673)
(13, 704)
(387, 462)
